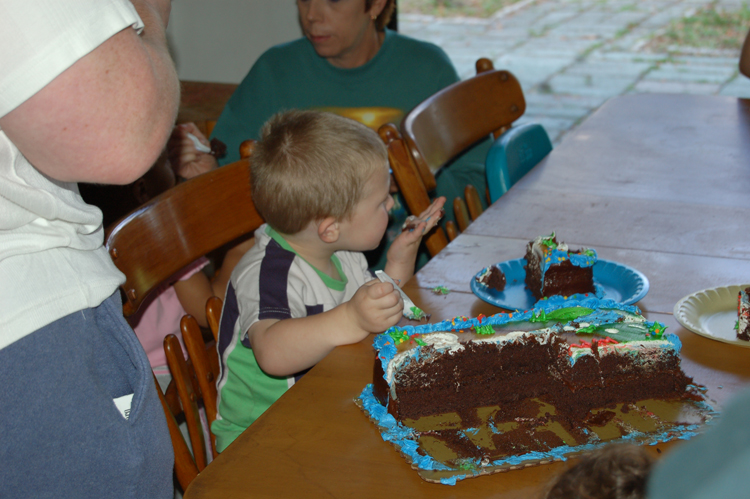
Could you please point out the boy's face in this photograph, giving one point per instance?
(364, 230)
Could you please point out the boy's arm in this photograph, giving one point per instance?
(288, 346)
(402, 255)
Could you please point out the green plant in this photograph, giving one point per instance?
(453, 8)
(709, 27)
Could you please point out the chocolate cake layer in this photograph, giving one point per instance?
(578, 356)
(485, 375)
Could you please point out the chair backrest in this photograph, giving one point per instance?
(513, 154)
(457, 117)
(179, 226)
(410, 183)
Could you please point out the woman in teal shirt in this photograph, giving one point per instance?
(347, 63)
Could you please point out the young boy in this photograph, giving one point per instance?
(321, 183)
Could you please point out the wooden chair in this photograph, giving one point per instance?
(459, 116)
(513, 154)
(444, 126)
(157, 240)
(179, 226)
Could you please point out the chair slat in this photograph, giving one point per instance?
(410, 184)
(188, 398)
(451, 230)
(472, 201)
(206, 369)
(184, 465)
(461, 212)
(213, 315)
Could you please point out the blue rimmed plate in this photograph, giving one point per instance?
(614, 281)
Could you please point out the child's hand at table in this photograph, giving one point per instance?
(375, 307)
(186, 160)
(402, 255)
(284, 347)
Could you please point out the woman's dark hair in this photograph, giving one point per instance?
(385, 15)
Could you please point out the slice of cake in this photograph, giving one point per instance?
(553, 269)
(743, 315)
(493, 278)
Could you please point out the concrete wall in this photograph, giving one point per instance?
(218, 40)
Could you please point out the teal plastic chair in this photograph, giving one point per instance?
(513, 154)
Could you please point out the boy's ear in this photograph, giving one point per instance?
(328, 230)
(140, 191)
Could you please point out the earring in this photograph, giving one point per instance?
(373, 17)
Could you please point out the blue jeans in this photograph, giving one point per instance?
(62, 435)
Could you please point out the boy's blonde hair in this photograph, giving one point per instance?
(310, 165)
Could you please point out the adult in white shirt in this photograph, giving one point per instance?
(88, 93)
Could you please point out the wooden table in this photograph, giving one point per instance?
(657, 182)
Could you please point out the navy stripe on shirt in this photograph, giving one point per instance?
(273, 281)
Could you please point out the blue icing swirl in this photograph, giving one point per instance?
(587, 258)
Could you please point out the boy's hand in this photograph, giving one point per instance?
(375, 307)
(403, 251)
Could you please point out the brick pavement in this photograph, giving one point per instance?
(572, 55)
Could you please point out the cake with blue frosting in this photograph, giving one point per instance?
(553, 269)
(473, 396)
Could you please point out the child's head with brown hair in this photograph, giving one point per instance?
(618, 471)
(311, 165)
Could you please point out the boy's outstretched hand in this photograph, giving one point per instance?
(402, 255)
(375, 307)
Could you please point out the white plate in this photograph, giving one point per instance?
(712, 313)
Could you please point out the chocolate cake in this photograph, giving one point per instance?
(467, 397)
(577, 356)
(553, 269)
(493, 278)
(743, 315)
